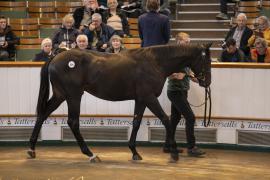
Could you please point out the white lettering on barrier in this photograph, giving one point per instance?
(151, 122)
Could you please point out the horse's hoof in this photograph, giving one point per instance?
(174, 157)
(136, 157)
(94, 159)
(31, 154)
(167, 150)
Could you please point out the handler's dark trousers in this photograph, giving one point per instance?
(180, 106)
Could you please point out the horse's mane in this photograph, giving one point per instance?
(163, 51)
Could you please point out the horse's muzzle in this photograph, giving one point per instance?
(206, 81)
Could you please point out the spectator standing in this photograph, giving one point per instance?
(154, 28)
(66, 36)
(116, 45)
(241, 33)
(46, 51)
(164, 7)
(261, 52)
(8, 40)
(232, 53)
(223, 15)
(116, 19)
(98, 33)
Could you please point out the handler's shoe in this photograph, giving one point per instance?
(195, 152)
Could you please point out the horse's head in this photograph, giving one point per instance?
(202, 66)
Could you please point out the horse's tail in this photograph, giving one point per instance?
(44, 89)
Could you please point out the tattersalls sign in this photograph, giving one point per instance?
(226, 129)
(150, 122)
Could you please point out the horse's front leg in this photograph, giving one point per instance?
(138, 114)
(73, 122)
(153, 104)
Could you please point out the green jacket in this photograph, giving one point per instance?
(179, 85)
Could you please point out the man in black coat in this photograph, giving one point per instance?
(154, 28)
(8, 40)
(241, 33)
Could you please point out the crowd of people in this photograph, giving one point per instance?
(243, 44)
(103, 22)
(100, 20)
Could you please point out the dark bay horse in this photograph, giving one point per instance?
(137, 74)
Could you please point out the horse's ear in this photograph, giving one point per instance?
(208, 45)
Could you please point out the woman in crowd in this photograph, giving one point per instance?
(116, 44)
(66, 36)
(46, 51)
(262, 31)
(261, 52)
(116, 19)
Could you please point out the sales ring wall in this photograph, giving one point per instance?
(240, 110)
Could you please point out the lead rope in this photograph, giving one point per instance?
(207, 96)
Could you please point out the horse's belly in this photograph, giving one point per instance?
(112, 93)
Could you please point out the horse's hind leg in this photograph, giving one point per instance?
(53, 103)
(73, 122)
(138, 114)
(175, 118)
(153, 104)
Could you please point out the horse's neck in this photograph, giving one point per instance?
(171, 59)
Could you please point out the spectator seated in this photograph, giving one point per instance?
(261, 52)
(232, 53)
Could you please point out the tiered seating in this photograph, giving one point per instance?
(25, 28)
(41, 9)
(63, 8)
(250, 8)
(266, 8)
(133, 26)
(48, 26)
(27, 49)
(13, 9)
(41, 19)
(132, 43)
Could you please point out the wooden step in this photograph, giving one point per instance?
(196, 15)
(215, 53)
(199, 1)
(202, 7)
(216, 24)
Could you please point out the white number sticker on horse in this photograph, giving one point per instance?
(71, 64)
